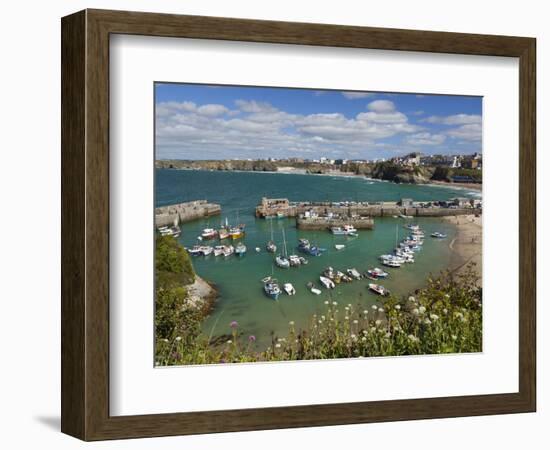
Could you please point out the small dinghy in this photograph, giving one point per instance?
(339, 246)
(438, 235)
(289, 289)
(327, 282)
(313, 289)
(378, 289)
(354, 273)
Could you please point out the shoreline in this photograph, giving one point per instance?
(466, 247)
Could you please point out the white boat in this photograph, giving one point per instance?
(303, 260)
(289, 289)
(346, 230)
(271, 288)
(206, 250)
(282, 262)
(438, 235)
(270, 246)
(228, 250)
(313, 289)
(354, 273)
(169, 231)
(240, 249)
(327, 282)
(339, 246)
(378, 289)
(195, 250)
(218, 250)
(412, 227)
(376, 273)
(294, 260)
(209, 233)
(258, 249)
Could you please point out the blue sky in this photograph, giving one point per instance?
(224, 122)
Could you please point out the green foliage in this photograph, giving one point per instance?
(441, 173)
(172, 262)
(444, 317)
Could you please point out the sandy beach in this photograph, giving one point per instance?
(466, 246)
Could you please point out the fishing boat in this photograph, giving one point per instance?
(206, 250)
(173, 231)
(228, 250)
(289, 289)
(282, 259)
(271, 288)
(305, 246)
(438, 235)
(218, 250)
(223, 232)
(240, 249)
(346, 230)
(327, 282)
(237, 232)
(195, 250)
(354, 273)
(209, 233)
(376, 273)
(378, 289)
(313, 289)
(270, 246)
(339, 246)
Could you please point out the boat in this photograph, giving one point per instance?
(280, 215)
(258, 249)
(228, 250)
(339, 246)
(376, 273)
(294, 260)
(354, 273)
(343, 277)
(313, 289)
(218, 250)
(173, 231)
(378, 289)
(282, 260)
(412, 226)
(206, 250)
(237, 232)
(303, 261)
(271, 288)
(195, 250)
(240, 249)
(327, 282)
(270, 246)
(438, 235)
(289, 289)
(209, 233)
(346, 230)
(223, 233)
(305, 246)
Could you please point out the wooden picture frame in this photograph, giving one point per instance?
(85, 224)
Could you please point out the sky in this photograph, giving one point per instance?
(237, 122)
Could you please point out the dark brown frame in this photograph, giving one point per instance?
(85, 224)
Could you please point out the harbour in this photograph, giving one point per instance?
(239, 279)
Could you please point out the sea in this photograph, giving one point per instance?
(238, 279)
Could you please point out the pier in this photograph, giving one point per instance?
(185, 212)
(359, 214)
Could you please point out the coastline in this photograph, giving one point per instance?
(466, 246)
(202, 295)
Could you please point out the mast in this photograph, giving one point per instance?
(284, 244)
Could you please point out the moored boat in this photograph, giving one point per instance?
(282, 262)
(173, 231)
(289, 289)
(327, 282)
(271, 288)
(354, 273)
(339, 246)
(209, 233)
(240, 249)
(376, 273)
(438, 235)
(313, 289)
(378, 289)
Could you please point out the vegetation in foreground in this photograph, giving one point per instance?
(444, 317)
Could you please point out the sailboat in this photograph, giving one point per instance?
(282, 260)
(270, 246)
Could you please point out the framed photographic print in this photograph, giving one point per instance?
(270, 224)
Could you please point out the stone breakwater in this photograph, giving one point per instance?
(185, 212)
(323, 223)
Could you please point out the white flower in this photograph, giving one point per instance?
(326, 302)
(349, 304)
(434, 317)
(355, 322)
(165, 340)
(388, 335)
(427, 321)
(412, 299)
(422, 309)
(347, 318)
(347, 308)
(378, 322)
(380, 310)
(291, 323)
(178, 339)
(366, 312)
(365, 332)
(320, 321)
(353, 337)
(335, 303)
(413, 338)
(364, 339)
(229, 341)
(453, 337)
(415, 311)
(278, 345)
(397, 307)
(322, 317)
(374, 307)
(445, 311)
(372, 329)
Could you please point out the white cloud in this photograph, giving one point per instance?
(425, 138)
(381, 106)
(351, 95)
(468, 132)
(456, 119)
(212, 110)
(252, 106)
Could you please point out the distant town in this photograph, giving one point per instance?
(415, 168)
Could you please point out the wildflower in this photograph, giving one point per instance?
(291, 323)
(335, 303)
(453, 337)
(365, 332)
(364, 339)
(178, 339)
(326, 302)
(380, 310)
(281, 339)
(277, 345)
(355, 322)
(349, 304)
(332, 319)
(374, 307)
(388, 335)
(445, 311)
(322, 317)
(320, 321)
(459, 315)
(378, 322)
(234, 324)
(366, 312)
(229, 341)
(353, 337)
(347, 317)
(415, 311)
(427, 321)
(447, 295)
(397, 307)
(373, 329)
(165, 340)
(434, 317)
(412, 338)
(422, 309)
(251, 338)
(412, 299)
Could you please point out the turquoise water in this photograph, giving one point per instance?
(238, 279)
